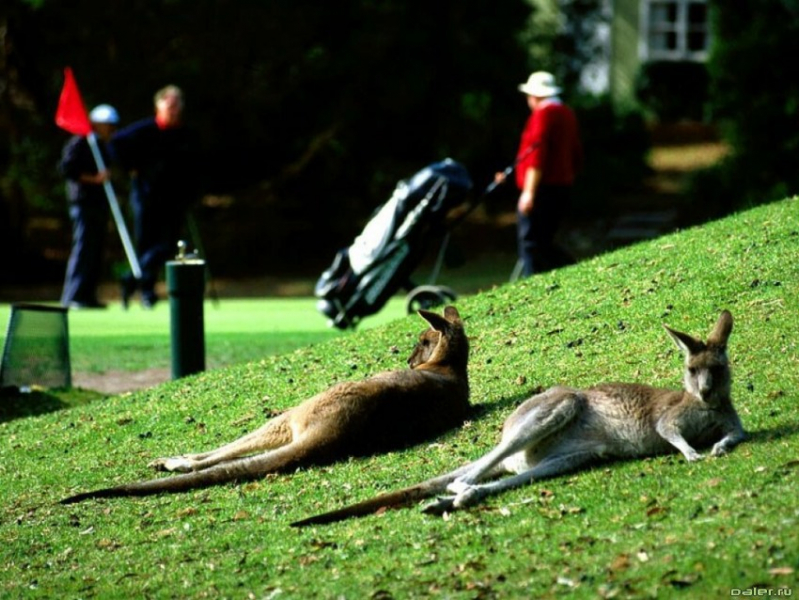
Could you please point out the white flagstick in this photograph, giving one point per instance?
(112, 202)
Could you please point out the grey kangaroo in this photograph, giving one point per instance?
(386, 411)
(563, 429)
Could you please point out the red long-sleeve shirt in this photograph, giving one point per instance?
(552, 133)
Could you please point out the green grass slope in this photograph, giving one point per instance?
(657, 527)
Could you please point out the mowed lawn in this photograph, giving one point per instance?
(236, 331)
(657, 527)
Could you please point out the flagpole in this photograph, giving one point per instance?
(115, 211)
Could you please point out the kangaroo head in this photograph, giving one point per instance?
(444, 343)
(707, 370)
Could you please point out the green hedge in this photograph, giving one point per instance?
(673, 91)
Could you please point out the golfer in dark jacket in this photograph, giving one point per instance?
(88, 209)
(160, 154)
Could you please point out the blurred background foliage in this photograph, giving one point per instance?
(753, 96)
(311, 109)
(309, 113)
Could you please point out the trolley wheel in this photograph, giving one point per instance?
(429, 296)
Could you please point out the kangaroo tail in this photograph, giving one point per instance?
(394, 499)
(242, 469)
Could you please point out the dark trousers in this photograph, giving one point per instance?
(84, 267)
(156, 224)
(536, 231)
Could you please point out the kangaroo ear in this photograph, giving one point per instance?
(686, 343)
(436, 321)
(451, 314)
(722, 330)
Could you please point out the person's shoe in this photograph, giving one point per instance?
(94, 304)
(148, 302)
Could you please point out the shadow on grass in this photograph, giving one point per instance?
(773, 433)
(505, 405)
(15, 404)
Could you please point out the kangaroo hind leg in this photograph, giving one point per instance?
(548, 467)
(538, 419)
(273, 434)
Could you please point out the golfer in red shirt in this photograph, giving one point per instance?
(550, 155)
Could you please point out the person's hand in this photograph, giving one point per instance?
(96, 178)
(525, 205)
(499, 178)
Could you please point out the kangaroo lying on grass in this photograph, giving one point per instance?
(563, 429)
(384, 412)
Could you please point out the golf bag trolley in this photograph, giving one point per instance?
(381, 259)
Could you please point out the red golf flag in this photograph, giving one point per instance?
(71, 114)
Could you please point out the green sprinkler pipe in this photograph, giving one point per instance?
(185, 281)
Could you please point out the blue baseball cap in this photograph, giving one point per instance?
(104, 113)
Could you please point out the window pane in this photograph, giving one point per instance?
(663, 40)
(697, 14)
(662, 12)
(697, 41)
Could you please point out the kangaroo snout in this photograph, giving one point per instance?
(704, 382)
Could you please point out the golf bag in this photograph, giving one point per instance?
(381, 259)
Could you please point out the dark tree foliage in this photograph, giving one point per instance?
(568, 40)
(577, 44)
(754, 94)
(309, 112)
(657, 81)
(319, 96)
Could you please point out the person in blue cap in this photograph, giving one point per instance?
(88, 210)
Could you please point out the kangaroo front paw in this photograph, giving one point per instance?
(693, 456)
(719, 450)
(176, 464)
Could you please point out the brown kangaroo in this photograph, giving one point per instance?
(384, 412)
(563, 429)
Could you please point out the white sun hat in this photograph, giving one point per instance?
(104, 113)
(540, 84)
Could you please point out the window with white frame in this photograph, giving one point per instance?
(674, 30)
